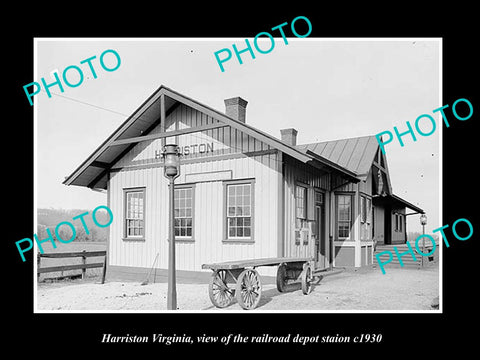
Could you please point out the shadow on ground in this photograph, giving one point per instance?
(268, 295)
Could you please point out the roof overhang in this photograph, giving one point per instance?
(93, 172)
(397, 201)
(347, 174)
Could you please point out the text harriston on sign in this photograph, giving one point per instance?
(190, 149)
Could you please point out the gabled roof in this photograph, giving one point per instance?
(407, 204)
(357, 155)
(93, 171)
(354, 154)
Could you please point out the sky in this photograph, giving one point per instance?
(327, 89)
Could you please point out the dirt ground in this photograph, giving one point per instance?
(364, 290)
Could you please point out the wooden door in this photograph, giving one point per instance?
(321, 248)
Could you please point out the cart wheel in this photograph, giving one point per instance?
(281, 277)
(249, 289)
(307, 279)
(220, 294)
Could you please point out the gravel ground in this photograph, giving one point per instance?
(364, 289)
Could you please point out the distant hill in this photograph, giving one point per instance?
(49, 218)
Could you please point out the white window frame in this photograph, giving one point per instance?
(300, 220)
(337, 211)
(126, 219)
(178, 216)
(227, 217)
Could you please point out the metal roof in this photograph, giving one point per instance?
(407, 204)
(352, 157)
(397, 201)
(94, 170)
(354, 154)
(357, 155)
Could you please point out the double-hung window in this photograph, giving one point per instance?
(184, 209)
(300, 211)
(365, 217)
(369, 211)
(239, 210)
(134, 213)
(370, 218)
(344, 216)
(363, 209)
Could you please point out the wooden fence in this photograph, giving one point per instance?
(83, 266)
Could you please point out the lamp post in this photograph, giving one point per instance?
(423, 222)
(171, 156)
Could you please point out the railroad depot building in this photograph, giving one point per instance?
(241, 193)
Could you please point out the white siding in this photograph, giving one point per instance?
(209, 200)
(297, 172)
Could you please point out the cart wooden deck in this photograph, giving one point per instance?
(248, 286)
(253, 263)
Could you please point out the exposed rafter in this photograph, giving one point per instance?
(166, 134)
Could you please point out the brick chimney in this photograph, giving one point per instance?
(236, 108)
(289, 136)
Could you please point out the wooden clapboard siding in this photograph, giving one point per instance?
(349, 187)
(298, 172)
(379, 225)
(225, 140)
(208, 245)
(366, 186)
(131, 253)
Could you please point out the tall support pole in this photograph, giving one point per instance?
(331, 224)
(162, 118)
(423, 222)
(423, 243)
(172, 284)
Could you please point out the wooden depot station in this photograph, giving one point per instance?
(244, 199)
